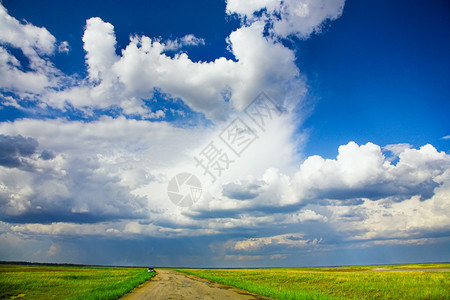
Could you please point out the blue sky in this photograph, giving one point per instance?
(102, 105)
(384, 80)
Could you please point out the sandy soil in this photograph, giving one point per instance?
(175, 285)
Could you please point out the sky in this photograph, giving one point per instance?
(231, 133)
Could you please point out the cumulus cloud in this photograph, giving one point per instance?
(261, 64)
(36, 44)
(358, 172)
(214, 88)
(143, 67)
(363, 171)
(359, 175)
(99, 43)
(289, 17)
(409, 221)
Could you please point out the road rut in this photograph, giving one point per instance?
(168, 284)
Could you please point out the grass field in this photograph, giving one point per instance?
(61, 282)
(337, 282)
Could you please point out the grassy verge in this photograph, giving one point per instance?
(336, 283)
(61, 282)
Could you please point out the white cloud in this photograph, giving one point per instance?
(363, 171)
(12, 78)
(447, 137)
(357, 172)
(60, 228)
(64, 47)
(290, 17)
(355, 165)
(289, 239)
(249, 7)
(306, 215)
(10, 101)
(30, 39)
(191, 40)
(404, 221)
(124, 80)
(396, 149)
(359, 177)
(36, 44)
(99, 43)
(262, 64)
(302, 18)
(187, 40)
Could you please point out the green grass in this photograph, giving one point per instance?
(61, 282)
(337, 282)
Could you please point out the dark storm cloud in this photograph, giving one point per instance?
(335, 202)
(48, 216)
(14, 148)
(255, 210)
(397, 191)
(83, 194)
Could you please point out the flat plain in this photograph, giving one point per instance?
(68, 282)
(415, 281)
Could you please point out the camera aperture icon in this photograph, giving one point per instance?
(184, 189)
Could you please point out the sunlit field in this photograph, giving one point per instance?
(61, 282)
(363, 282)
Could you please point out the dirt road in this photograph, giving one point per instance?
(174, 285)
